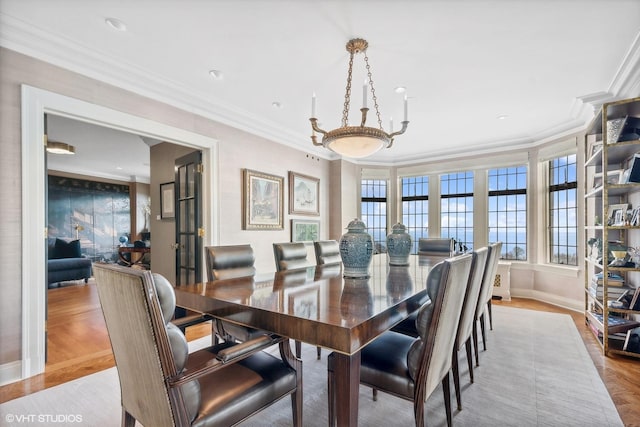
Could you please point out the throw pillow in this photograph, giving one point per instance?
(70, 249)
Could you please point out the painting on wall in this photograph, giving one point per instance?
(96, 213)
(263, 201)
(167, 200)
(304, 231)
(304, 192)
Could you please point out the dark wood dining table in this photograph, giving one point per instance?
(318, 306)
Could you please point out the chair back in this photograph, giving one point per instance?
(140, 344)
(430, 356)
(229, 262)
(471, 298)
(290, 255)
(486, 288)
(433, 246)
(327, 252)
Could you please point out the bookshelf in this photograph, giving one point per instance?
(612, 225)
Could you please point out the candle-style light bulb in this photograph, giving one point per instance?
(313, 105)
(364, 94)
(406, 108)
(390, 124)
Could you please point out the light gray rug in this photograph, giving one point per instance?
(536, 372)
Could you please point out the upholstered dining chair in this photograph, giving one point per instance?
(162, 384)
(435, 246)
(411, 368)
(289, 256)
(427, 247)
(327, 252)
(467, 318)
(484, 298)
(231, 262)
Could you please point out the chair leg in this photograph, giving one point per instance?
(456, 378)
(469, 358)
(475, 341)
(127, 419)
(296, 407)
(490, 315)
(447, 399)
(298, 349)
(319, 351)
(484, 333)
(374, 394)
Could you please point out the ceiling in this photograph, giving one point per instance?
(542, 64)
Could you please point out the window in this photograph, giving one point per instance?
(563, 210)
(456, 208)
(507, 211)
(415, 207)
(374, 211)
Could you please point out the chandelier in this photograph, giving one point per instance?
(356, 141)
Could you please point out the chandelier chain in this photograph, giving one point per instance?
(347, 94)
(373, 90)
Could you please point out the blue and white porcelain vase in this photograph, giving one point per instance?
(399, 245)
(356, 250)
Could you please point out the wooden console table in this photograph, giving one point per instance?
(139, 254)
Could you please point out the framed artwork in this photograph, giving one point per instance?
(304, 192)
(613, 177)
(304, 231)
(167, 200)
(263, 201)
(616, 214)
(594, 147)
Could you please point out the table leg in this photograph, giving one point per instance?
(347, 381)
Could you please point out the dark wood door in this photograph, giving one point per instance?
(189, 231)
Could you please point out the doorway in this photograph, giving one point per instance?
(35, 103)
(95, 201)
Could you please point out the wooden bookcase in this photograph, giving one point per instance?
(612, 223)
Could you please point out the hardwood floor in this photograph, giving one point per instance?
(79, 345)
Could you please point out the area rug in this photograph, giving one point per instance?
(535, 372)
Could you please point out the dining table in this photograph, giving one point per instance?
(317, 305)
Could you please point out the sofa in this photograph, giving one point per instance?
(66, 262)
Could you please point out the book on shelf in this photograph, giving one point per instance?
(613, 279)
(615, 324)
(613, 293)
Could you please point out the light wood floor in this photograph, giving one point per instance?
(78, 345)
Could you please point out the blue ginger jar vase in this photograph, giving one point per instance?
(399, 245)
(356, 250)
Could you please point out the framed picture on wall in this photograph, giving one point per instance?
(304, 192)
(167, 200)
(304, 231)
(263, 201)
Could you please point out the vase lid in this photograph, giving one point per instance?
(398, 228)
(356, 224)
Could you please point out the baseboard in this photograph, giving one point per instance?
(10, 372)
(569, 304)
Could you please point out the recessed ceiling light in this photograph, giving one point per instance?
(116, 24)
(400, 89)
(119, 168)
(502, 117)
(216, 74)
